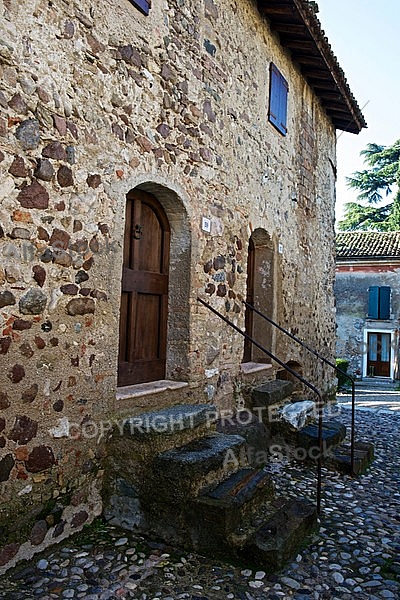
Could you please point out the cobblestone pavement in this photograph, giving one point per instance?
(355, 554)
(370, 397)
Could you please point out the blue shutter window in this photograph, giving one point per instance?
(379, 302)
(373, 302)
(142, 5)
(384, 302)
(278, 94)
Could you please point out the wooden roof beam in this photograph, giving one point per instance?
(313, 61)
(330, 96)
(277, 9)
(349, 126)
(289, 28)
(322, 85)
(310, 69)
(335, 108)
(304, 45)
(339, 118)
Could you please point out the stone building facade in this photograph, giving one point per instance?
(367, 292)
(100, 103)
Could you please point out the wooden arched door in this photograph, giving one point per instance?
(144, 300)
(260, 294)
(248, 316)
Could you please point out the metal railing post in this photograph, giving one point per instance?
(353, 426)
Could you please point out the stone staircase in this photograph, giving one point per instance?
(291, 423)
(184, 476)
(171, 475)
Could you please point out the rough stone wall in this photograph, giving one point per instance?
(351, 293)
(95, 100)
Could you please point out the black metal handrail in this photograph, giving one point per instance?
(326, 361)
(297, 376)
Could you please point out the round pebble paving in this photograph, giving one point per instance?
(355, 553)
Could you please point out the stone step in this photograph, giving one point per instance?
(253, 430)
(376, 383)
(132, 446)
(282, 534)
(138, 398)
(271, 392)
(286, 422)
(333, 433)
(298, 414)
(363, 457)
(169, 421)
(179, 474)
(219, 517)
(141, 437)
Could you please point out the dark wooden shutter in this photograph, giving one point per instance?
(373, 302)
(142, 5)
(278, 93)
(384, 302)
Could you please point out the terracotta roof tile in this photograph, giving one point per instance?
(367, 244)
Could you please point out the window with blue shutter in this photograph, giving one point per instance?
(142, 5)
(373, 302)
(384, 302)
(379, 302)
(278, 97)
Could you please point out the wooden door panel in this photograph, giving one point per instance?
(378, 363)
(144, 300)
(260, 294)
(140, 371)
(128, 237)
(378, 368)
(147, 327)
(124, 318)
(248, 315)
(384, 369)
(151, 242)
(145, 282)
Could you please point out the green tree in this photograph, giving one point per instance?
(373, 185)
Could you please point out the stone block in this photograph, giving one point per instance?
(333, 433)
(181, 472)
(271, 392)
(28, 134)
(169, 421)
(219, 519)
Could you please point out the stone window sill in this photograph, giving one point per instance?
(146, 389)
(252, 367)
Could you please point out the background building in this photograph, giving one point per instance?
(367, 292)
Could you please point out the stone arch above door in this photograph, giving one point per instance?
(179, 274)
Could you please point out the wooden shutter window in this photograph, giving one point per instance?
(142, 5)
(373, 302)
(379, 302)
(278, 95)
(384, 302)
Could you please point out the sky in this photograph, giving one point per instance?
(365, 37)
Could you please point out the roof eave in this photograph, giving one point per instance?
(365, 259)
(301, 32)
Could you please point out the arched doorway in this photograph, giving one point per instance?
(144, 299)
(260, 294)
(249, 314)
